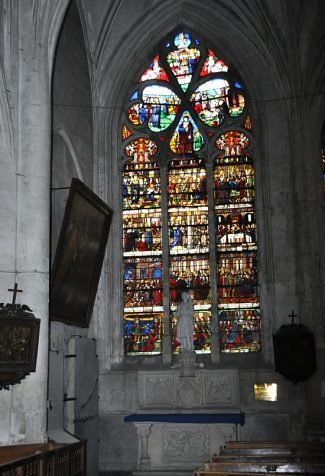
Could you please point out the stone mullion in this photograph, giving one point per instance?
(166, 340)
(215, 347)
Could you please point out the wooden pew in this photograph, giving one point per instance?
(44, 459)
(275, 444)
(263, 467)
(17, 452)
(296, 449)
(252, 458)
(203, 472)
(269, 458)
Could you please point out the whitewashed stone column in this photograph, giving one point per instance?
(143, 430)
(33, 212)
(27, 67)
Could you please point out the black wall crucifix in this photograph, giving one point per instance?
(292, 315)
(15, 291)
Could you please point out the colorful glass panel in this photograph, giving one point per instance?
(142, 272)
(143, 333)
(201, 332)
(141, 188)
(141, 176)
(213, 100)
(158, 108)
(142, 232)
(232, 143)
(189, 245)
(141, 149)
(238, 303)
(210, 101)
(213, 64)
(240, 329)
(234, 183)
(237, 278)
(188, 230)
(161, 104)
(236, 104)
(184, 60)
(192, 274)
(137, 114)
(187, 184)
(154, 71)
(236, 229)
(142, 284)
(187, 138)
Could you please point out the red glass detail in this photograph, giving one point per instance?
(232, 143)
(213, 64)
(155, 71)
(143, 147)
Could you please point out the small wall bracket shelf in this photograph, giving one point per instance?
(19, 335)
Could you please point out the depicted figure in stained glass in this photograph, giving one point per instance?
(185, 323)
(185, 136)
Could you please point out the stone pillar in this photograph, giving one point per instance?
(29, 238)
(143, 430)
(187, 360)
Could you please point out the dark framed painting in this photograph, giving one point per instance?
(79, 256)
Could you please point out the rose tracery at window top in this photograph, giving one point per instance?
(176, 109)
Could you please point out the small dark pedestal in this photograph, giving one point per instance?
(294, 352)
(19, 333)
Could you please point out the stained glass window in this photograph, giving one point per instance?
(238, 303)
(188, 110)
(142, 266)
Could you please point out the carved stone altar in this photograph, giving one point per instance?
(182, 420)
(173, 442)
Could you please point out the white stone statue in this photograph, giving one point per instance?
(185, 323)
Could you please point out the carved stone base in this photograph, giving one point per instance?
(179, 448)
(187, 360)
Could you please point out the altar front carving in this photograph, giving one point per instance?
(206, 390)
(176, 442)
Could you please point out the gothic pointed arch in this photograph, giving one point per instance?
(188, 202)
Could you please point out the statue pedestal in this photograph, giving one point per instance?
(187, 360)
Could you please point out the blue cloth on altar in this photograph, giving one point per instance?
(237, 418)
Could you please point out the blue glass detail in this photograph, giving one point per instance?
(134, 96)
(237, 85)
(128, 327)
(182, 40)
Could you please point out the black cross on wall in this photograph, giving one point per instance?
(292, 315)
(15, 291)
